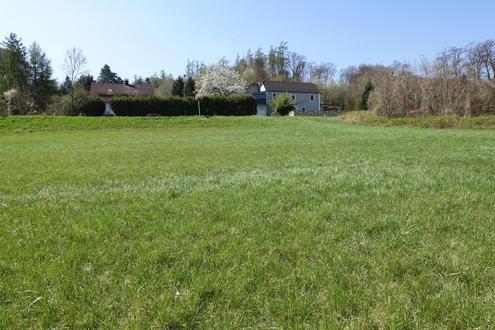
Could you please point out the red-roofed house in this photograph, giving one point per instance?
(107, 91)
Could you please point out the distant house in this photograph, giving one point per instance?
(305, 95)
(107, 91)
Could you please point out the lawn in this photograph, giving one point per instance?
(244, 222)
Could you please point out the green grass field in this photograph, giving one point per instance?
(244, 222)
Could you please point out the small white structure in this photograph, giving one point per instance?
(261, 110)
(108, 110)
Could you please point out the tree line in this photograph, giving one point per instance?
(27, 72)
(460, 80)
(27, 85)
(278, 63)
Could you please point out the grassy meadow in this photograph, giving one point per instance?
(244, 222)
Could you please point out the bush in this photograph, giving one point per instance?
(283, 104)
(92, 106)
(241, 105)
(84, 104)
(18, 102)
(187, 106)
(3, 106)
(58, 105)
(141, 106)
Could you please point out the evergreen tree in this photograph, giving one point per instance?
(41, 84)
(249, 58)
(178, 87)
(368, 88)
(272, 63)
(189, 87)
(259, 65)
(108, 77)
(66, 86)
(281, 60)
(14, 68)
(138, 81)
(85, 81)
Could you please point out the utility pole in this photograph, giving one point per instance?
(322, 102)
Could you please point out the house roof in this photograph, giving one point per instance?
(115, 89)
(291, 86)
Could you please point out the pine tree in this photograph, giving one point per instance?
(108, 77)
(41, 84)
(139, 81)
(281, 60)
(14, 68)
(85, 81)
(66, 86)
(189, 87)
(272, 63)
(259, 65)
(178, 87)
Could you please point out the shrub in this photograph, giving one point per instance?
(92, 106)
(283, 104)
(184, 106)
(17, 102)
(141, 106)
(59, 105)
(241, 105)
(362, 117)
(482, 121)
(3, 107)
(84, 104)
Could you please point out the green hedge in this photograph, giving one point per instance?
(92, 106)
(244, 105)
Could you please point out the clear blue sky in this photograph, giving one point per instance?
(146, 36)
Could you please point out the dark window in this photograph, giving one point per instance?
(312, 97)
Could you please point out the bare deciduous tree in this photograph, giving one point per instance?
(297, 65)
(457, 82)
(487, 53)
(322, 73)
(74, 66)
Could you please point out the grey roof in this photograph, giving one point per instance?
(291, 87)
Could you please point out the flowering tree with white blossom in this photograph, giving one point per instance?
(220, 81)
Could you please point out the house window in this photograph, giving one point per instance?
(312, 97)
(303, 109)
(293, 97)
(274, 95)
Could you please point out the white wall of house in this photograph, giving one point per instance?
(261, 110)
(108, 110)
